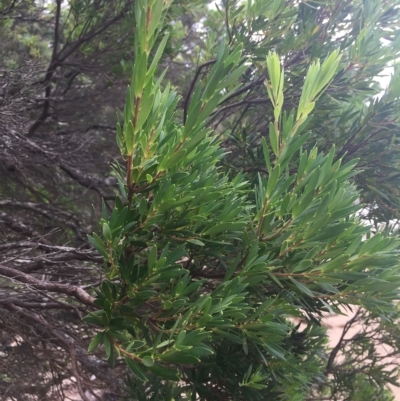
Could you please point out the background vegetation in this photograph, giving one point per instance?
(239, 272)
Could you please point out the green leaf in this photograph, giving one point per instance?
(334, 264)
(233, 76)
(272, 180)
(273, 65)
(192, 117)
(175, 158)
(179, 357)
(308, 109)
(93, 318)
(201, 351)
(166, 373)
(369, 244)
(328, 70)
(156, 12)
(135, 369)
(303, 204)
(274, 138)
(196, 242)
(275, 350)
(98, 244)
(135, 345)
(97, 339)
(140, 70)
(266, 154)
(107, 291)
(195, 139)
(152, 258)
(302, 266)
(302, 166)
(224, 227)
(107, 345)
(148, 361)
(208, 107)
(301, 287)
(145, 294)
(172, 273)
(145, 109)
(230, 336)
(156, 58)
(203, 321)
(129, 138)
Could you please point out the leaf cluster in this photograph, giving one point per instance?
(205, 268)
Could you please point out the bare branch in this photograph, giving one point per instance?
(77, 292)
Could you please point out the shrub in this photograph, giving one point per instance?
(207, 267)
